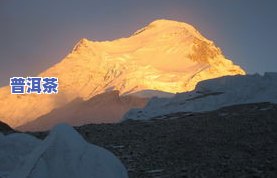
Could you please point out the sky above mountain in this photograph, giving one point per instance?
(34, 34)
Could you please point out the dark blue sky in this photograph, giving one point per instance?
(35, 34)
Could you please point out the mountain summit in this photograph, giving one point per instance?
(166, 55)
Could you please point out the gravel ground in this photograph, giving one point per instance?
(237, 141)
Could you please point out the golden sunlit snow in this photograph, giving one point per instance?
(166, 55)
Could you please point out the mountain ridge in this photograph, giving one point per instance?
(140, 62)
(213, 94)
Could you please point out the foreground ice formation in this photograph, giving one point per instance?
(63, 153)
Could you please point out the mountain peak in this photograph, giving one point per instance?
(166, 55)
(84, 42)
(164, 27)
(162, 22)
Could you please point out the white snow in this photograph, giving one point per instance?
(166, 55)
(64, 153)
(213, 94)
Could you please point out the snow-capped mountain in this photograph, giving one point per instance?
(166, 55)
(213, 94)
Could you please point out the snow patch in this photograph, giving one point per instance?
(64, 153)
(213, 94)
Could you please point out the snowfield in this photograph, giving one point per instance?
(63, 153)
(165, 55)
(213, 94)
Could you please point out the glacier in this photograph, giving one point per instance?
(63, 153)
(213, 94)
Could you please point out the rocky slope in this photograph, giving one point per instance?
(235, 141)
(166, 55)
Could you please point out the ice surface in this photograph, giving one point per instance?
(213, 94)
(64, 153)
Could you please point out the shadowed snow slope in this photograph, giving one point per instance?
(213, 94)
(166, 55)
(152, 93)
(107, 107)
(64, 153)
(4, 128)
